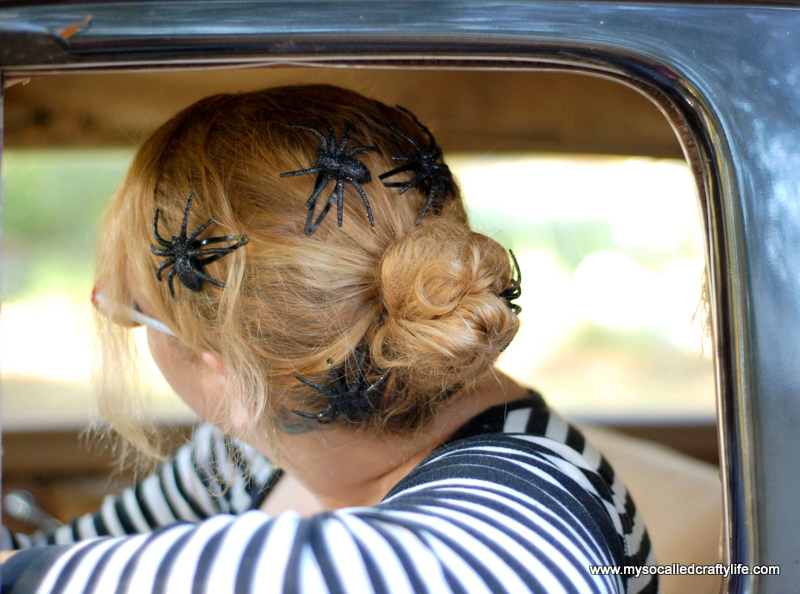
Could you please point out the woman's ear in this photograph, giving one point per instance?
(214, 363)
(239, 413)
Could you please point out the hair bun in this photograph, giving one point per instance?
(444, 323)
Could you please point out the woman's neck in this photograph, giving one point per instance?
(342, 467)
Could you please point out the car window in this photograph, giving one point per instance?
(598, 206)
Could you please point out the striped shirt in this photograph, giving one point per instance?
(516, 501)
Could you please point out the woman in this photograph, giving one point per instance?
(344, 367)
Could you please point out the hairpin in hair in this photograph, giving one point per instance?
(334, 163)
(354, 400)
(185, 253)
(514, 289)
(431, 175)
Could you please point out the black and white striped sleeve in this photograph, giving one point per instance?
(494, 513)
(546, 426)
(210, 475)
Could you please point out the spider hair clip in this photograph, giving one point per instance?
(514, 289)
(355, 400)
(431, 175)
(335, 162)
(187, 256)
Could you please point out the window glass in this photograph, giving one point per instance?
(612, 259)
(610, 250)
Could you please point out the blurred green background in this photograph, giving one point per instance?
(52, 202)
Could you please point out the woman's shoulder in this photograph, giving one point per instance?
(530, 421)
(524, 435)
(527, 460)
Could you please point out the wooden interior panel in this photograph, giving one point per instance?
(69, 476)
(469, 110)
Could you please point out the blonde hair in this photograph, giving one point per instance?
(420, 300)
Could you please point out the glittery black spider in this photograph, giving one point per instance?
(185, 253)
(354, 400)
(514, 289)
(334, 163)
(431, 175)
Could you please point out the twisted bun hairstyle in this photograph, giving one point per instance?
(420, 300)
(443, 323)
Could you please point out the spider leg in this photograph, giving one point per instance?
(518, 279)
(348, 130)
(158, 252)
(311, 203)
(186, 215)
(428, 203)
(339, 192)
(208, 279)
(330, 143)
(366, 202)
(170, 279)
(379, 383)
(422, 126)
(310, 129)
(514, 290)
(199, 230)
(419, 177)
(311, 227)
(212, 255)
(159, 239)
(413, 182)
(441, 188)
(320, 389)
(359, 149)
(168, 262)
(435, 153)
(408, 138)
(300, 172)
(333, 411)
(209, 251)
(404, 187)
(329, 412)
(319, 185)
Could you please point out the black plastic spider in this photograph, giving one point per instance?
(334, 163)
(185, 253)
(353, 400)
(432, 176)
(514, 289)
